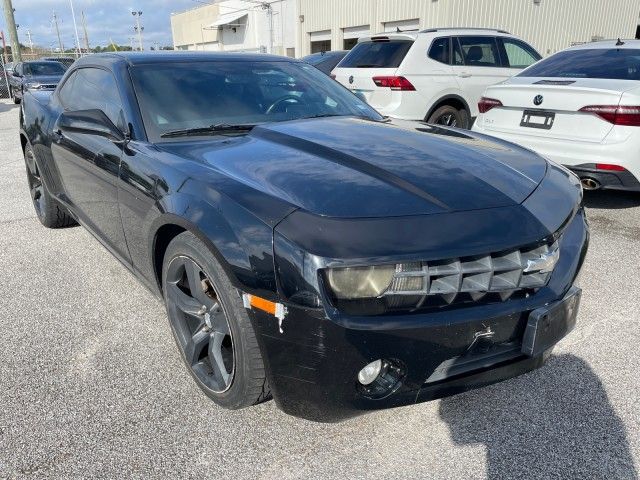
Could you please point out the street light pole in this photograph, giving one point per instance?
(75, 26)
(138, 28)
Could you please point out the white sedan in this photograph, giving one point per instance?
(579, 107)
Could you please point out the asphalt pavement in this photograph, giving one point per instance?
(92, 386)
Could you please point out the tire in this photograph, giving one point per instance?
(211, 327)
(450, 116)
(50, 213)
(12, 94)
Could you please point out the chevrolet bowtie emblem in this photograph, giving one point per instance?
(546, 263)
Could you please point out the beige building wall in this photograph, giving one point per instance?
(548, 25)
(187, 29)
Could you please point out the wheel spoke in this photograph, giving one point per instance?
(215, 357)
(194, 347)
(217, 320)
(184, 302)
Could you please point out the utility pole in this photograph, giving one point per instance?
(30, 40)
(4, 47)
(75, 27)
(138, 28)
(13, 32)
(269, 9)
(86, 36)
(55, 21)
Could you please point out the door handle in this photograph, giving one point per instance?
(464, 74)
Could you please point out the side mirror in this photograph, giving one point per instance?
(92, 122)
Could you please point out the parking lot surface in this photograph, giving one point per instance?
(91, 383)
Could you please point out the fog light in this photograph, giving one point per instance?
(380, 378)
(370, 372)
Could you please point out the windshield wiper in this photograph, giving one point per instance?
(210, 130)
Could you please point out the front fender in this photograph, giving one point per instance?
(241, 242)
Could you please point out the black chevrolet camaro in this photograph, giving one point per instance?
(308, 249)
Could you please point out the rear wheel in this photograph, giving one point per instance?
(50, 213)
(449, 116)
(211, 327)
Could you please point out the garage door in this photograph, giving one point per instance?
(352, 34)
(413, 24)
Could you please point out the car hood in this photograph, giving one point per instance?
(349, 167)
(43, 78)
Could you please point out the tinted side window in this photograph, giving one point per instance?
(439, 50)
(519, 54)
(480, 51)
(66, 90)
(96, 88)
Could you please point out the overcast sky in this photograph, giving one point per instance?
(105, 19)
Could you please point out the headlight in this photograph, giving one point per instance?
(33, 85)
(360, 282)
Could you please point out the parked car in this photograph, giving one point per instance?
(579, 107)
(325, 61)
(8, 68)
(37, 75)
(437, 75)
(307, 248)
(65, 61)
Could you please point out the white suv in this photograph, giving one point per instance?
(437, 75)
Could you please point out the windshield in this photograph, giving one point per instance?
(177, 96)
(43, 68)
(613, 63)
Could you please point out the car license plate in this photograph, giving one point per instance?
(548, 325)
(537, 119)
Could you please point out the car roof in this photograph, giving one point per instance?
(26, 62)
(413, 34)
(139, 58)
(607, 44)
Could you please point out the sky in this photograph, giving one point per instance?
(106, 19)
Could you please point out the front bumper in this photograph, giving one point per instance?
(312, 364)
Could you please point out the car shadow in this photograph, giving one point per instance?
(556, 422)
(611, 199)
(5, 107)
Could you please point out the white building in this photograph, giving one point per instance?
(548, 25)
(299, 27)
(238, 25)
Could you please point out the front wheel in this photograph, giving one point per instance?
(449, 116)
(12, 94)
(211, 326)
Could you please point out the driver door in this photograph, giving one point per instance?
(89, 164)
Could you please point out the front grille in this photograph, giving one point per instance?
(501, 274)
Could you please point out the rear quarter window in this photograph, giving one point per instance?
(439, 50)
(378, 54)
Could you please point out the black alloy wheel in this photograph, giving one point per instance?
(36, 188)
(200, 324)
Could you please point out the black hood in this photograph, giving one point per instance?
(348, 167)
